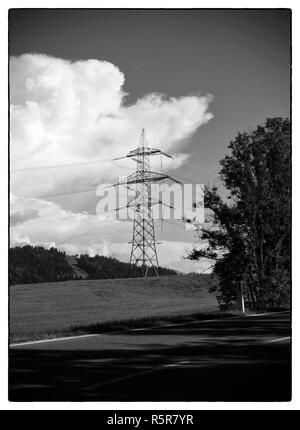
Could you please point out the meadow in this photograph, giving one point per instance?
(51, 309)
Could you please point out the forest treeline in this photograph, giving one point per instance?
(34, 264)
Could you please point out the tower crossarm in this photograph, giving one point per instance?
(143, 151)
(135, 178)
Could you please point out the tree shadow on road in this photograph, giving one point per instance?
(216, 371)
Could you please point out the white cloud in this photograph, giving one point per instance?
(46, 224)
(54, 226)
(66, 112)
(73, 112)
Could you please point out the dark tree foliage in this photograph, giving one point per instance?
(251, 241)
(30, 264)
(100, 267)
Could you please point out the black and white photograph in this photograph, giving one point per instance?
(150, 203)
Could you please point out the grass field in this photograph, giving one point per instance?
(42, 310)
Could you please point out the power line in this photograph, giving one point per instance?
(191, 181)
(154, 151)
(58, 166)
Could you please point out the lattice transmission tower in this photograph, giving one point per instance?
(143, 250)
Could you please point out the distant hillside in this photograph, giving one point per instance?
(73, 262)
(34, 264)
(30, 264)
(100, 267)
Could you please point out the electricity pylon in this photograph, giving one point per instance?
(143, 251)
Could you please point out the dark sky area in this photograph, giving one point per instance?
(242, 57)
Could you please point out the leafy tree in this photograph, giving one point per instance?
(251, 238)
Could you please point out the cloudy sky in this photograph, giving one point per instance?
(83, 83)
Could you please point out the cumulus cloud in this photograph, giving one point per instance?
(54, 226)
(66, 112)
(75, 113)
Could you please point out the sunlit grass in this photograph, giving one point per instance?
(58, 309)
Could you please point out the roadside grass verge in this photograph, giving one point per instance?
(122, 325)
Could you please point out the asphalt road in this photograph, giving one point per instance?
(237, 359)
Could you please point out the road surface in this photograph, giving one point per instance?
(236, 359)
